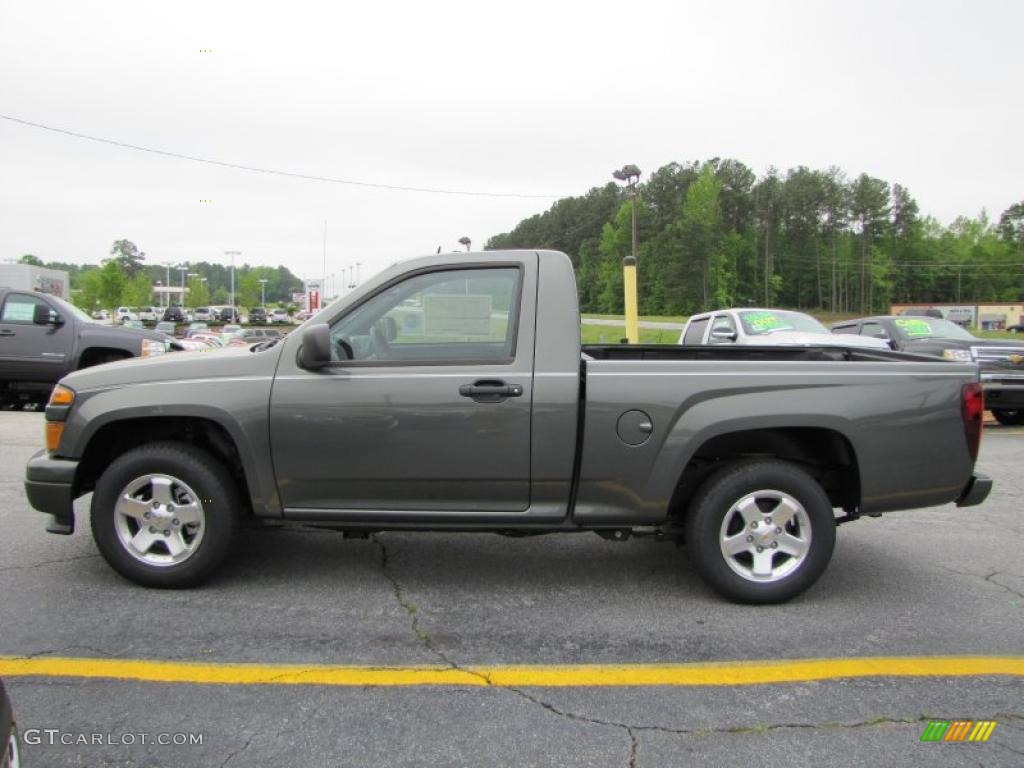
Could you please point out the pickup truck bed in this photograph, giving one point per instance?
(452, 393)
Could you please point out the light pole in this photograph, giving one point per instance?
(183, 268)
(167, 294)
(358, 265)
(232, 254)
(263, 292)
(630, 174)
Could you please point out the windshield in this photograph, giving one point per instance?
(930, 328)
(71, 309)
(760, 322)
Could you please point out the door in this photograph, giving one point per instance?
(29, 351)
(427, 406)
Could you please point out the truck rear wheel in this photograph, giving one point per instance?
(760, 531)
(165, 515)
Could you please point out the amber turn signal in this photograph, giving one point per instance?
(54, 430)
(61, 395)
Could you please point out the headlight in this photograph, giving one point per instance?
(152, 347)
(957, 355)
(60, 396)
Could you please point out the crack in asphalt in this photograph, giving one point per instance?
(231, 756)
(30, 566)
(990, 578)
(630, 729)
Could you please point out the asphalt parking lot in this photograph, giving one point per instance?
(930, 583)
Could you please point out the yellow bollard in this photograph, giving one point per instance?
(632, 311)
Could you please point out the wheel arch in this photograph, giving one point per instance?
(825, 453)
(119, 433)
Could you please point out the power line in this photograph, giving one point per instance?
(275, 172)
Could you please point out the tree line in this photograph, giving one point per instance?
(123, 279)
(713, 235)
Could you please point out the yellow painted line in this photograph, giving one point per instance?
(577, 675)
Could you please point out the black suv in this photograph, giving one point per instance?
(257, 316)
(230, 315)
(173, 314)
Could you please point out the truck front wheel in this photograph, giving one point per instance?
(760, 531)
(165, 515)
(1009, 418)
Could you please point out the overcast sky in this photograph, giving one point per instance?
(531, 98)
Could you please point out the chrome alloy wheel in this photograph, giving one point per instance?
(159, 520)
(765, 536)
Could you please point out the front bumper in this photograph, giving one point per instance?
(50, 487)
(976, 491)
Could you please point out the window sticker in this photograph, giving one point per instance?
(762, 322)
(914, 326)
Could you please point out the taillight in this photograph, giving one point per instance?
(972, 407)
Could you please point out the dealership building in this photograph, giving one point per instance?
(26, 277)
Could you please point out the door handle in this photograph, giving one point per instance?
(490, 391)
(6, 332)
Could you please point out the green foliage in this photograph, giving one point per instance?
(712, 235)
(138, 291)
(128, 257)
(110, 284)
(249, 290)
(198, 294)
(220, 296)
(28, 258)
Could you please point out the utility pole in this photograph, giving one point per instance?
(232, 254)
(631, 175)
(263, 292)
(323, 281)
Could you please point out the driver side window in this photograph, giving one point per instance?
(450, 316)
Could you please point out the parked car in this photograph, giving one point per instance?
(192, 327)
(254, 335)
(174, 314)
(121, 314)
(43, 337)
(744, 453)
(303, 316)
(1016, 328)
(230, 328)
(1000, 361)
(258, 316)
(166, 328)
(280, 316)
(101, 314)
(764, 327)
(9, 755)
(230, 315)
(149, 314)
(203, 314)
(133, 324)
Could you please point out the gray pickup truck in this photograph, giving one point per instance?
(451, 393)
(43, 338)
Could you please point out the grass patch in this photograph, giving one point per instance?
(610, 334)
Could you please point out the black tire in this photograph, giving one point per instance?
(716, 499)
(211, 483)
(1012, 418)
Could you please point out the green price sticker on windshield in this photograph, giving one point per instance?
(914, 327)
(760, 322)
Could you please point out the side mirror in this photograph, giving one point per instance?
(723, 335)
(316, 347)
(43, 315)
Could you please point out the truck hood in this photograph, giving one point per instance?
(226, 362)
(802, 338)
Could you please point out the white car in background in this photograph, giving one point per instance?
(149, 314)
(279, 316)
(123, 314)
(767, 327)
